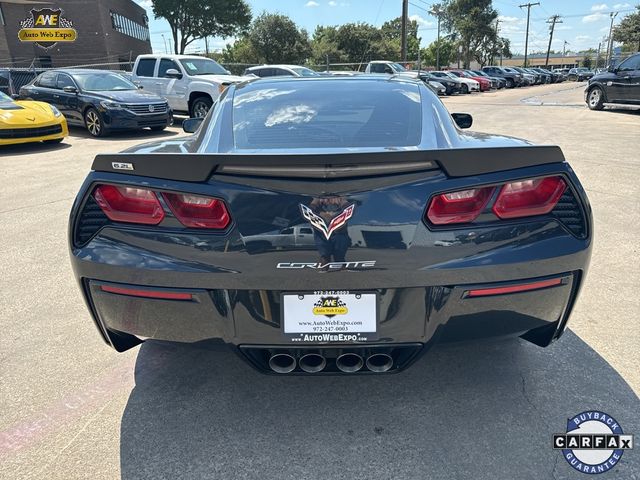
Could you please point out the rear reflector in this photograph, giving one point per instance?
(198, 212)
(133, 292)
(529, 197)
(524, 287)
(458, 207)
(128, 204)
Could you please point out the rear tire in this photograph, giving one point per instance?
(510, 83)
(200, 106)
(595, 99)
(465, 88)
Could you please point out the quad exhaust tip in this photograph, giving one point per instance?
(349, 362)
(379, 362)
(282, 363)
(312, 363)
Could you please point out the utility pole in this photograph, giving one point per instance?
(564, 51)
(526, 40)
(553, 20)
(206, 46)
(405, 14)
(165, 43)
(435, 11)
(610, 47)
(598, 55)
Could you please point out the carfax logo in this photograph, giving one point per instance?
(47, 27)
(594, 442)
(330, 307)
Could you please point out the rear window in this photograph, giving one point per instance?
(339, 113)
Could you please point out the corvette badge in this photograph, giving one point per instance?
(318, 222)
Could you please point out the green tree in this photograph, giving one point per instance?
(190, 20)
(448, 53)
(272, 38)
(392, 36)
(628, 31)
(474, 22)
(586, 61)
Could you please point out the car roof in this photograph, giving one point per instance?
(276, 66)
(71, 71)
(366, 77)
(173, 56)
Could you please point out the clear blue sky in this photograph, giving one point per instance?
(585, 23)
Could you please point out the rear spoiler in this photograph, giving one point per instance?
(458, 162)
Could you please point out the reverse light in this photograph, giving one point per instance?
(198, 212)
(129, 204)
(529, 197)
(458, 207)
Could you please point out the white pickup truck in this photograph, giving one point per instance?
(190, 84)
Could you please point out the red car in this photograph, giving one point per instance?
(485, 83)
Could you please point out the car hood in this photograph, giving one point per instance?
(25, 113)
(128, 96)
(223, 78)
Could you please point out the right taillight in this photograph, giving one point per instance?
(129, 204)
(529, 197)
(458, 207)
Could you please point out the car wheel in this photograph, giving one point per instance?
(509, 83)
(595, 99)
(465, 88)
(200, 107)
(159, 128)
(93, 122)
(54, 140)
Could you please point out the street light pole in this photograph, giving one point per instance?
(526, 39)
(610, 47)
(165, 43)
(435, 11)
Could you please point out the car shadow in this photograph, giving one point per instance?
(32, 148)
(484, 410)
(80, 132)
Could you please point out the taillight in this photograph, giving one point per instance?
(198, 212)
(458, 207)
(529, 197)
(129, 204)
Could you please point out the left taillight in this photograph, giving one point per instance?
(129, 204)
(196, 211)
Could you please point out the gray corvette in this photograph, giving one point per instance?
(330, 225)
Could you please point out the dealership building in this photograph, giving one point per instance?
(82, 32)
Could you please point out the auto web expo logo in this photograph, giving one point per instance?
(47, 27)
(594, 442)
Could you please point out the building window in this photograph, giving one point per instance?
(128, 27)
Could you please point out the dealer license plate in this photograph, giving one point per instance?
(330, 316)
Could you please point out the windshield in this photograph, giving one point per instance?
(202, 66)
(5, 98)
(102, 82)
(479, 73)
(397, 67)
(331, 114)
(305, 72)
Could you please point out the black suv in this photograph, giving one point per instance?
(512, 79)
(618, 85)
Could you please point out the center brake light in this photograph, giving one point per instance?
(198, 212)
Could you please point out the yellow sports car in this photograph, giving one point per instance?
(26, 121)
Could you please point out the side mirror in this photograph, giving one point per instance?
(70, 89)
(140, 87)
(463, 120)
(173, 73)
(190, 125)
